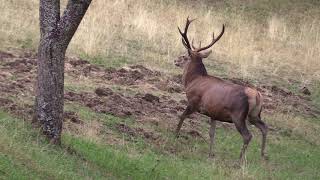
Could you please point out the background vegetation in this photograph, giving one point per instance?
(266, 42)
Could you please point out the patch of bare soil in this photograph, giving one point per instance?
(128, 76)
(104, 100)
(275, 98)
(4, 55)
(18, 73)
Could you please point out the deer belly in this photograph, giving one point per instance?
(219, 114)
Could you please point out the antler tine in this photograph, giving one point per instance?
(213, 40)
(185, 40)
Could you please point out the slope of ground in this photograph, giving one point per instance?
(123, 95)
(119, 123)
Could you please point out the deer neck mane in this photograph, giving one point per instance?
(194, 69)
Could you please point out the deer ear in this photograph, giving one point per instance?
(205, 54)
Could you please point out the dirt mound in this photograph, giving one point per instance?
(151, 98)
(78, 62)
(107, 101)
(276, 97)
(4, 55)
(305, 91)
(132, 75)
(144, 70)
(18, 72)
(103, 91)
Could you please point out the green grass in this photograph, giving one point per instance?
(26, 155)
(293, 147)
(290, 159)
(142, 166)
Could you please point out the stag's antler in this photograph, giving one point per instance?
(213, 41)
(185, 40)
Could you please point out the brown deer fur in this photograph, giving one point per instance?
(219, 99)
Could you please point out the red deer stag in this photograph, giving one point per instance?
(218, 99)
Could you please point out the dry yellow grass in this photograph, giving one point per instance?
(146, 31)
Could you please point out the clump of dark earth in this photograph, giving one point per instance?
(282, 91)
(123, 76)
(103, 91)
(145, 71)
(305, 91)
(6, 55)
(118, 104)
(151, 98)
(78, 62)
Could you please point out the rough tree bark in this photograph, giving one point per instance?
(55, 35)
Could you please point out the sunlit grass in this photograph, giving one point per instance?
(261, 44)
(126, 32)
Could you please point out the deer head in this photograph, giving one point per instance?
(194, 53)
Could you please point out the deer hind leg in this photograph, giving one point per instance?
(186, 113)
(257, 122)
(240, 123)
(211, 134)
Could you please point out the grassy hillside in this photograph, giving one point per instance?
(25, 154)
(126, 49)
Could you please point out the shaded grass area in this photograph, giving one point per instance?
(141, 166)
(25, 154)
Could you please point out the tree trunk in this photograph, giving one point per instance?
(55, 36)
(49, 100)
